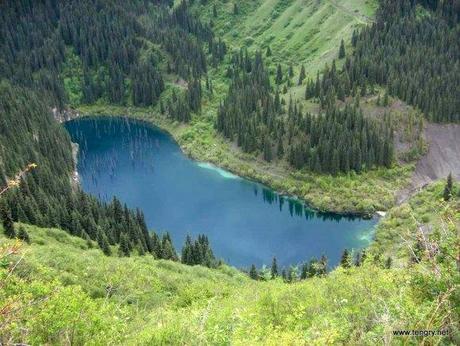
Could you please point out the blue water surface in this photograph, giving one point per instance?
(246, 222)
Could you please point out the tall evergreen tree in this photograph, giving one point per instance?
(253, 274)
(124, 249)
(104, 244)
(345, 260)
(388, 262)
(447, 194)
(236, 10)
(291, 71)
(168, 251)
(23, 235)
(187, 252)
(342, 50)
(279, 75)
(274, 268)
(8, 226)
(302, 75)
(268, 53)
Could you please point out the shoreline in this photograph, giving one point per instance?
(168, 127)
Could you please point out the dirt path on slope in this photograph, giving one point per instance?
(443, 157)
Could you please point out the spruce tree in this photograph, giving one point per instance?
(168, 252)
(345, 259)
(388, 263)
(156, 245)
(103, 243)
(447, 194)
(322, 265)
(302, 75)
(342, 50)
(268, 155)
(253, 273)
(124, 249)
(187, 252)
(358, 259)
(280, 149)
(304, 271)
(279, 75)
(8, 225)
(236, 10)
(268, 52)
(274, 268)
(23, 235)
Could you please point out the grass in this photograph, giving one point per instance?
(404, 222)
(297, 31)
(62, 289)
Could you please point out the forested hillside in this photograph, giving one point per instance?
(85, 51)
(56, 53)
(132, 54)
(415, 53)
(45, 196)
(154, 54)
(325, 100)
(338, 141)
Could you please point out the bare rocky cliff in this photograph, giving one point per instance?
(442, 158)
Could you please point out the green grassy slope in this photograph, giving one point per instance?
(59, 290)
(297, 31)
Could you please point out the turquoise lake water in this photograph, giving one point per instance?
(245, 221)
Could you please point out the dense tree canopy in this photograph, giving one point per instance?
(109, 47)
(412, 52)
(338, 140)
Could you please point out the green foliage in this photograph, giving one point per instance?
(253, 274)
(339, 140)
(403, 224)
(447, 194)
(64, 290)
(274, 268)
(7, 221)
(296, 31)
(345, 260)
(106, 52)
(399, 38)
(342, 50)
(198, 252)
(23, 235)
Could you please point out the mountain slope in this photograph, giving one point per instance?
(47, 286)
(297, 31)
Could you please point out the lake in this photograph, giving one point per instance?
(246, 222)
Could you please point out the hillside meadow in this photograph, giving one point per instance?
(63, 290)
